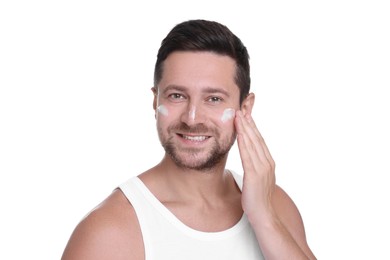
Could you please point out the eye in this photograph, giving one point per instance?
(176, 96)
(214, 99)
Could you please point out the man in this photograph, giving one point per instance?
(189, 206)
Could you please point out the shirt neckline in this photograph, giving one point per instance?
(202, 235)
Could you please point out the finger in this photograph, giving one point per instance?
(252, 123)
(251, 133)
(243, 140)
(256, 130)
(254, 160)
(249, 142)
(245, 155)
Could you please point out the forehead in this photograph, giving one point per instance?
(197, 70)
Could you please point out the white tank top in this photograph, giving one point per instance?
(165, 237)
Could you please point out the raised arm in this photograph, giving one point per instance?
(274, 217)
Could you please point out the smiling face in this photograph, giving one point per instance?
(195, 104)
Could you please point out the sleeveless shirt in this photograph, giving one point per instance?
(165, 237)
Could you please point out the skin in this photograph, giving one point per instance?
(111, 231)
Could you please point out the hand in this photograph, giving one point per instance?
(279, 238)
(259, 169)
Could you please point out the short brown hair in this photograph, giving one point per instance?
(203, 35)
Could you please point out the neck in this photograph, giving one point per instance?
(204, 200)
(189, 183)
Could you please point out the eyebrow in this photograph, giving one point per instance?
(208, 90)
(211, 90)
(174, 87)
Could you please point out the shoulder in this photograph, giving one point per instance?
(290, 216)
(110, 231)
(286, 208)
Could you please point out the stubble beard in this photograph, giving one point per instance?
(189, 158)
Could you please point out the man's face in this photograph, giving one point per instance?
(195, 106)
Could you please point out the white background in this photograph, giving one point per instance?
(76, 111)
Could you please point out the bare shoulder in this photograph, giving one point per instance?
(110, 231)
(290, 216)
(288, 212)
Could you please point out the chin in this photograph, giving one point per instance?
(197, 163)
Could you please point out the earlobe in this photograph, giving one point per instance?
(247, 104)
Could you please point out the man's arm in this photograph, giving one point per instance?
(111, 231)
(273, 215)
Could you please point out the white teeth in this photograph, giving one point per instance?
(195, 138)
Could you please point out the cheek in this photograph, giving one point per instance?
(163, 116)
(227, 115)
(166, 116)
(162, 110)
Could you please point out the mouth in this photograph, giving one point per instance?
(194, 138)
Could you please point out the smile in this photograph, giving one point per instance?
(194, 138)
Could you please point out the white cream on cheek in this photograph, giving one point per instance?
(228, 114)
(162, 110)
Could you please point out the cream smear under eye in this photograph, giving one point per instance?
(227, 115)
(162, 110)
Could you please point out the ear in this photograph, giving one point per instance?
(247, 104)
(155, 91)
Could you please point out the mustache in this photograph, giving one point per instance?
(195, 129)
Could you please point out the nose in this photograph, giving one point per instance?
(193, 114)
